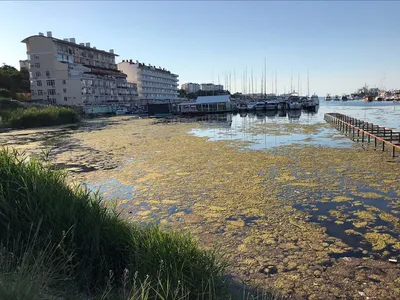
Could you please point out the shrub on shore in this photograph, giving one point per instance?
(98, 250)
(39, 117)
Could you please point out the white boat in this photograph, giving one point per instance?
(271, 105)
(121, 111)
(242, 106)
(328, 97)
(314, 98)
(294, 101)
(337, 98)
(260, 106)
(250, 105)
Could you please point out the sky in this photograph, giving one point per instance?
(343, 44)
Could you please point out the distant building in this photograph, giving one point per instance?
(64, 72)
(190, 87)
(207, 87)
(23, 64)
(207, 104)
(154, 84)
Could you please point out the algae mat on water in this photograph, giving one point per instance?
(315, 222)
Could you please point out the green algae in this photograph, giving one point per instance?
(241, 201)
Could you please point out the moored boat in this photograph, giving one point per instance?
(294, 101)
(121, 111)
(344, 98)
(250, 105)
(271, 105)
(259, 106)
(242, 106)
(336, 98)
(315, 99)
(328, 97)
(368, 98)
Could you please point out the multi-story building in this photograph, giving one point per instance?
(211, 87)
(66, 73)
(154, 84)
(191, 87)
(23, 64)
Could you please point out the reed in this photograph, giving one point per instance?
(39, 117)
(96, 248)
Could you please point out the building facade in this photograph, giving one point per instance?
(191, 87)
(23, 64)
(63, 72)
(154, 84)
(207, 87)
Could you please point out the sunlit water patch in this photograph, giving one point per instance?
(365, 220)
(264, 130)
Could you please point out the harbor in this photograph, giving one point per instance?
(244, 182)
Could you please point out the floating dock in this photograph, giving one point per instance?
(365, 131)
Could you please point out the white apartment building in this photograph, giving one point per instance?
(190, 87)
(63, 72)
(207, 87)
(154, 84)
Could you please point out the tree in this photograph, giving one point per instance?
(182, 93)
(13, 80)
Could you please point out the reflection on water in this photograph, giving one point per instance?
(277, 130)
(342, 220)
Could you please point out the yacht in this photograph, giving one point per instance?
(251, 105)
(260, 105)
(344, 98)
(121, 111)
(294, 101)
(282, 104)
(378, 98)
(304, 101)
(337, 98)
(315, 99)
(271, 105)
(328, 97)
(242, 106)
(368, 98)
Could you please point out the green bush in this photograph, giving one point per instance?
(5, 93)
(40, 117)
(98, 246)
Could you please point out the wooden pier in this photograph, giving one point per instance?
(365, 131)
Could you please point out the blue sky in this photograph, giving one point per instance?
(343, 43)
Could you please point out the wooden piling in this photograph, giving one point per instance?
(349, 126)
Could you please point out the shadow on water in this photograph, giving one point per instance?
(344, 227)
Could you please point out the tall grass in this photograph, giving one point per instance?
(40, 117)
(98, 248)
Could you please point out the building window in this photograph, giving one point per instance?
(64, 82)
(64, 90)
(39, 92)
(39, 83)
(37, 65)
(65, 99)
(47, 73)
(38, 74)
(51, 92)
(50, 82)
(36, 56)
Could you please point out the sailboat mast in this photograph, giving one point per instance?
(298, 83)
(265, 77)
(308, 83)
(291, 80)
(234, 78)
(276, 82)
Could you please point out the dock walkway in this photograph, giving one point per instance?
(365, 131)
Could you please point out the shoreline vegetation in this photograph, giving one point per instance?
(17, 116)
(58, 239)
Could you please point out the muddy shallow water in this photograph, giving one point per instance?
(317, 217)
